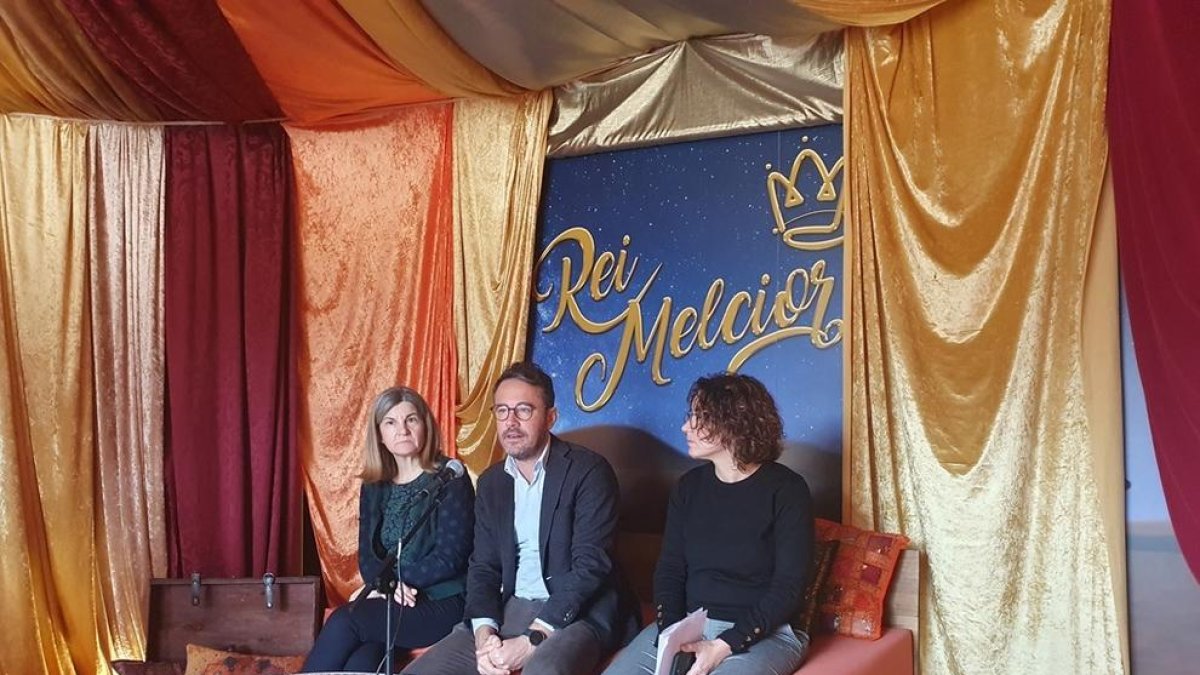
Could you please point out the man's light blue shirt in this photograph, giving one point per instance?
(527, 521)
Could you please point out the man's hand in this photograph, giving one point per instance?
(513, 653)
(406, 595)
(486, 643)
(709, 655)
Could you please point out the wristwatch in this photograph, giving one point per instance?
(536, 637)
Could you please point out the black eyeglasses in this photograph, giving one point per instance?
(524, 411)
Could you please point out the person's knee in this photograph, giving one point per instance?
(560, 664)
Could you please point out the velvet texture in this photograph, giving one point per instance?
(125, 256)
(1154, 92)
(376, 285)
(499, 151)
(231, 463)
(50, 569)
(48, 66)
(968, 418)
(180, 56)
(318, 63)
(406, 32)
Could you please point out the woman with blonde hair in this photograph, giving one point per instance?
(401, 460)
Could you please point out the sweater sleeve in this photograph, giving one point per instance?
(793, 532)
(670, 575)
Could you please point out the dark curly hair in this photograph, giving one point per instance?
(529, 373)
(738, 412)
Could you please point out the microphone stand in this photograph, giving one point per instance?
(388, 578)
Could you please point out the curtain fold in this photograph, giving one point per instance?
(869, 12)
(233, 495)
(48, 66)
(125, 223)
(499, 155)
(976, 154)
(406, 32)
(318, 63)
(702, 89)
(376, 285)
(50, 576)
(180, 56)
(1154, 91)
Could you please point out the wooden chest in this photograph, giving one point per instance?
(270, 616)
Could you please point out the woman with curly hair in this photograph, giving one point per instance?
(738, 539)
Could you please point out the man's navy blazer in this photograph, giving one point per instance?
(578, 524)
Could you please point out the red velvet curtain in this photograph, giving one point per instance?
(232, 481)
(181, 55)
(1154, 130)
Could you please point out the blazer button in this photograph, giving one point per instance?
(757, 631)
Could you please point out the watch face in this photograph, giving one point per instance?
(536, 637)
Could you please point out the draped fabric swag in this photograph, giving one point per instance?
(1154, 91)
(969, 423)
(49, 67)
(499, 151)
(406, 32)
(52, 576)
(376, 285)
(705, 88)
(179, 56)
(125, 253)
(231, 462)
(318, 63)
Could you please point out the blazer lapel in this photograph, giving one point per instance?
(507, 533)
(558, 461)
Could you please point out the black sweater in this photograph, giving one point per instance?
(741, 550)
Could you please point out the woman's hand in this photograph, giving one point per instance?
(709, 655)
(406, 595)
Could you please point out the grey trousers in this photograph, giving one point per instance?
(571, 650)
(780, 653)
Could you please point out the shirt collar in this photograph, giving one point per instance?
(510, 464)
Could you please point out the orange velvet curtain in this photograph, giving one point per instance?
(376, 285)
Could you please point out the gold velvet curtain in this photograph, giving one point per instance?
(51, 573)
(977, 151)
(125, 227)
(499, 152)
(376, 301)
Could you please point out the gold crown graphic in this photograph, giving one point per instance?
(826, 231)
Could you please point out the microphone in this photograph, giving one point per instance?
(453, 469)
(385, 581)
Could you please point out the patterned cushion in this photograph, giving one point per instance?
(851, 602)
(205, 661)
(823, 554)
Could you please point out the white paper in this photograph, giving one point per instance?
(688, 629)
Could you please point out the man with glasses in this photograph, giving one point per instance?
(542, 591)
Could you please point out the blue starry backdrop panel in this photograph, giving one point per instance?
(658, 265)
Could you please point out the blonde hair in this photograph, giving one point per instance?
(378, 463)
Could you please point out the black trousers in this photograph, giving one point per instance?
(354, 641)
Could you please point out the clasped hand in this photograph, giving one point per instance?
(494, 656)
(405, 595)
